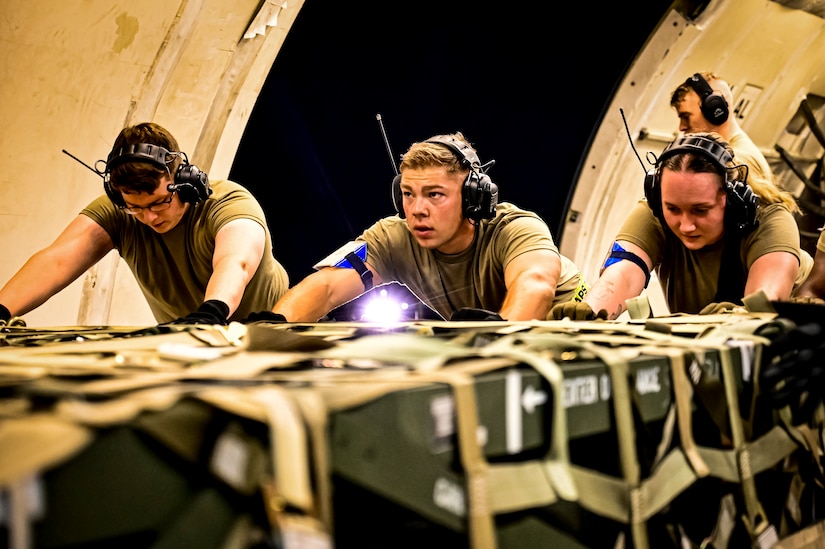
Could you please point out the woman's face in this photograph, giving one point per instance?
(693, 205)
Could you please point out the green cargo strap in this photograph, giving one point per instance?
(274, 406)
(683, 398)
(315, 413)
(759, 456)
(537, 482)
(285, 412)
(290, 454)
(611, 493)
(758, 521)
(744, 459)
(807, 439)
(481, 526)
(428, 357)
(619, 378)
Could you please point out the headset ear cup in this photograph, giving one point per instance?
(715, 109)
(191, 184)
(742, 206)
(653, 193)
(397, 197)
(469, 196)
(114, 195)
(490, 196)
(479, 196)
(712, 104)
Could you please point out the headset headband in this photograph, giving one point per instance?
(703, 145)
(137, 152)
(462, 150)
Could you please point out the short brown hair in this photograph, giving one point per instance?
(143, 177)
(680, 92)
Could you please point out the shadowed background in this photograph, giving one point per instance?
(526, 87)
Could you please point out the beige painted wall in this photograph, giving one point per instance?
(75, 72)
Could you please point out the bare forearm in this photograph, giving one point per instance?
(773, 274)
(618, 283)
(531, 300)
(604, 295)
(42, 276)
(319, 293)
(306, 302)
(239, 247)
(81, 244)
(228, 283)
(531, 280)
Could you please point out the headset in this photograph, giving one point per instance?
(479, 195)
(191, 184)
(714, 107)
(740, 211)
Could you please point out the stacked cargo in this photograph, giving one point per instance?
(439, 434)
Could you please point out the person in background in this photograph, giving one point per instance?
(460, 251)
(711, 238)
(200, 252)
(703, 103)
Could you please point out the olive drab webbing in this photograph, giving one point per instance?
(652, 432)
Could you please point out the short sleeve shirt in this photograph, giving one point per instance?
(173, 269)
(690, 277)
(472, 278)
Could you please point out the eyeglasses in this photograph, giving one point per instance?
(156, 207)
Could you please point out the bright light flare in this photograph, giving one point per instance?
(383, 308)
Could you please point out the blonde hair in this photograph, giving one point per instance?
(436, 152)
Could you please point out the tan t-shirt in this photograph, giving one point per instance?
(472, 278)
(173, 269)
(690, 278)
(746, 152)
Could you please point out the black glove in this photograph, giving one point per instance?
(471, 313)
(211, 311)
(793, 371)
(264, 316)
(577, 310)
(717, 308)
(5, 314)
(6, 318)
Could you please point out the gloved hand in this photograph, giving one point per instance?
(471, 313)
(793, 371)
(577, 310)
(6, 318)
(212, 311)
(720, 307)
(264, 316)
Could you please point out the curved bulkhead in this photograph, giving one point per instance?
(770, 53)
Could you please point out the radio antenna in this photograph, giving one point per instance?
(630, 138)
(80, 161)
(386, 142)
